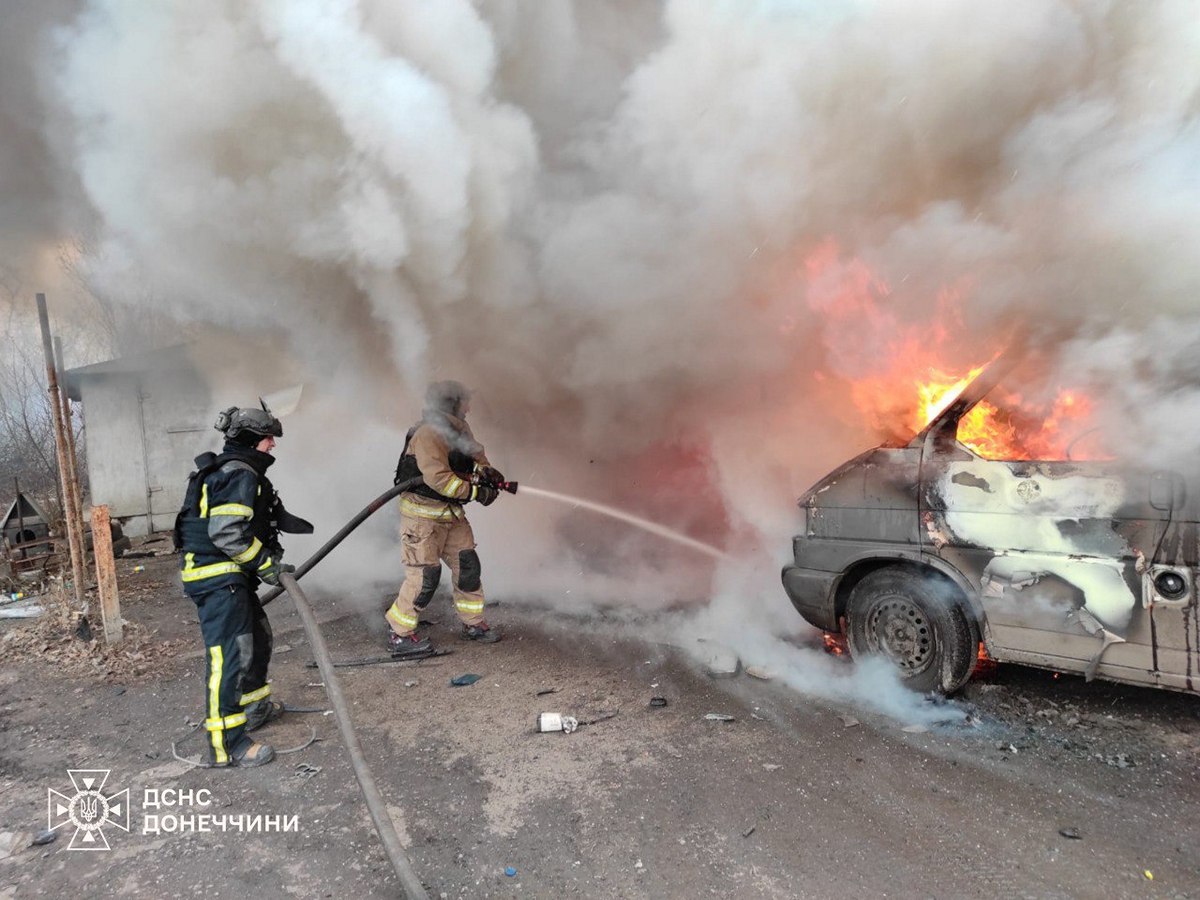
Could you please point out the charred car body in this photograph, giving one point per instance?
(921, 552)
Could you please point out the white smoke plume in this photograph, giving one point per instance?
(648, 234)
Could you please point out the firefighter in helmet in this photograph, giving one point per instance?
(441, 451)
(228, 534)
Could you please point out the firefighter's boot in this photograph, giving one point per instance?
(261, 712)
(246, 753)
(409, 646)
(481, 633)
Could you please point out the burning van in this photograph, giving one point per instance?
(933, 550)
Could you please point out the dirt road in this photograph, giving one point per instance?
(792, 799)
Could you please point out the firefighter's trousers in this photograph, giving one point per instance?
(237, 642)
(425, 545)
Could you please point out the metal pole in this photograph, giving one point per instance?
(409, 882)
(141, 398)
(74, 539)
(72, 459)
(20, 515)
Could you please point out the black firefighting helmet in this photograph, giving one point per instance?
(247, 425)
(447, 397)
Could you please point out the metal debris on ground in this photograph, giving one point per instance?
(658, 702)
(758, 672)
(719, 717)
(410, 684)
(915, 729)
(848, 721)
(749, 831)
(1073, 833)
(304, 770)
(544, 691)
(464, 680)
(602, 716)
(43, 838)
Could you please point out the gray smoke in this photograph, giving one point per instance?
(647, 235)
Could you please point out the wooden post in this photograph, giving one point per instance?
(72, 459)
(74, 538)
(106, 575)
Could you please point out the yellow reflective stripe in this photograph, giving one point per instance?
(469, 605)
(217, 661)
(199, 573)
(453, 485)
(204, 502)
(266, 564)
(440, 513)
(232, 509)
(401, 619)
(264, 691)
(249, 553)
(221, 724)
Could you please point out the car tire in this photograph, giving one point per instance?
(917, 622)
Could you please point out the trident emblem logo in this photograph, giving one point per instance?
(89, 810)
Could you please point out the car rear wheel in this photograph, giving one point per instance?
(917, 623)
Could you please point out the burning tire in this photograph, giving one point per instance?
(917, 623)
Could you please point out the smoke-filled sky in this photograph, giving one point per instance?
(662, 241)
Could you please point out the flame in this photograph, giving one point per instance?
(906, 384)
(985, 666)
(835, 643)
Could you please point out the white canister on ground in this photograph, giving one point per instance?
(556, 722)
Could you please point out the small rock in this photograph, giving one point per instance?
(758, 672)
(771, 767)
(915, 729)
(848, 721)
(409, 684)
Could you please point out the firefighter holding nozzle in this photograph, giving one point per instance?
(228, 534)
(453, 468)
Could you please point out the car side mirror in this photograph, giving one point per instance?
(1166, 490)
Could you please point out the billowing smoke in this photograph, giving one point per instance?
(662, 241)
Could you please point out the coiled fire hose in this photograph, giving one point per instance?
(410, 883)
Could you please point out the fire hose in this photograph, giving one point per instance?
(376, 806)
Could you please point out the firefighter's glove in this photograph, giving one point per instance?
(489, 476)
(485, 494)
(272, 572)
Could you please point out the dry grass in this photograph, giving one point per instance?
(72, 643)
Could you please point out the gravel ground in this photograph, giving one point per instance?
(1053, 787)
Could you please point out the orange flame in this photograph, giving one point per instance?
(906, 385)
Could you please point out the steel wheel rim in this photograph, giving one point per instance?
(899, 629)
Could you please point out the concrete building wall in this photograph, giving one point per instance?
(147, 417)
(142, 433)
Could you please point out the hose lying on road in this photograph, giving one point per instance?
(368, 510)
(413, 889)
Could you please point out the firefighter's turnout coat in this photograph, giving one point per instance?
(443, 452)
(226, 529)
